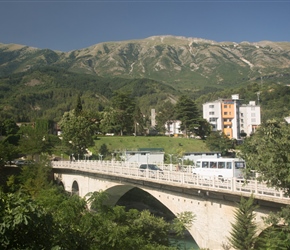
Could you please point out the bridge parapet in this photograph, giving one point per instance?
(180, 178)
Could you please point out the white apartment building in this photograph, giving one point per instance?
(231, 117)
(250, 117)
(173, 127)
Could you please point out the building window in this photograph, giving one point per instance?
(211, 106)
(211, 113)
(212, 119)
(225, 106)
(252, 108)
(253, 114)
(242, 125)
(242, 115)
(242, 120)
(225, 113)
(253, 120)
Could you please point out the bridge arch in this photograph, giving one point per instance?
(214, 210)
(75, 188)
(171, 202)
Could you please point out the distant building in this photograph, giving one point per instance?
(145, 155)
(232, 117)
(173, 127)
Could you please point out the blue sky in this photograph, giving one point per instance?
(69, 25)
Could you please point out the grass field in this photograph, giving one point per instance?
(171, 145)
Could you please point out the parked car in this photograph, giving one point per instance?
(150, 167)
(22, 162)
(19, 162)
(153, 170)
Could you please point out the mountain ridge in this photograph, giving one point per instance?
(176, 60)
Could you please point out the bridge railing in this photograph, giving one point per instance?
(172, 177)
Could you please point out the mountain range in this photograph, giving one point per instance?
(178, 61)
(44, 83)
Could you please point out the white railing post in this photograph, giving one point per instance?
(256, 186)
(234, 187)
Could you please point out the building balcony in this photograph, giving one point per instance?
(227, 123)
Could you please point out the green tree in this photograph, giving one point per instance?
(183, 222)
(187, 112)
(125, 107)
(277, 235)
(218, 141)
(104, 151)
(44, 126)
(79, 106)
(243, 234)
(164, 116)
(139, 121)
(33, 142)
(23, 223)
(9, 127)
(77, 132)
(109, 122)
(204, 128)
(267, 152)
(8, 152)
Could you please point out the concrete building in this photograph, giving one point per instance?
(250, 117)
(144, 155)
(232, 117)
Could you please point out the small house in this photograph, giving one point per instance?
(145, 155)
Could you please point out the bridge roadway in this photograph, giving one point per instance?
(212, 200)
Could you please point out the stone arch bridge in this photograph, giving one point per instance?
(212, 201)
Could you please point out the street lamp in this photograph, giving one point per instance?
(100, 156)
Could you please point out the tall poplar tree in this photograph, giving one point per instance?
(164, 116)
(125, 107)
(187, 112)
(77, 132)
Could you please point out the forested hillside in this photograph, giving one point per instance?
(48, 92)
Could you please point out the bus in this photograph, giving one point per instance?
(222, 168)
